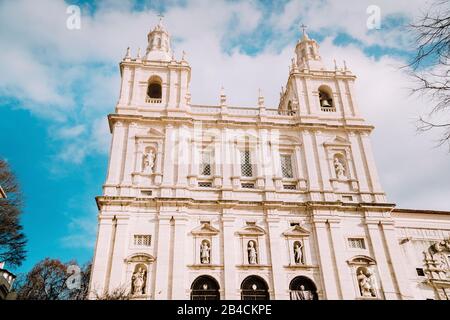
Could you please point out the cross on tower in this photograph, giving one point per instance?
(303, 28)
(161, 16)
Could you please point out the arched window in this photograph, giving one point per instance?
(254, 288)
(326, 100)
(205, 288)
(303, 288)
(154, 90)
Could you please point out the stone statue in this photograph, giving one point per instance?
(148, 161)
(305, 294)
(298, 252)
(252, 254)
(366, 284)
(339, 167)
(138, 280)
(204, 252)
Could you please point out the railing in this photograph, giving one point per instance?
(287, 112)
(153, 100)
(328, 109)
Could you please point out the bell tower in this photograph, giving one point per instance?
(156, 82)
(314, 93)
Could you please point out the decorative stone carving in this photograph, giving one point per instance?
(148, 160)
(252, 253)
(205, 252)
(437, 262)
(339, 168)
(138, 281)
(366, 281)
(298, 252)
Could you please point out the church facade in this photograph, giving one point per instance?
(224, 202)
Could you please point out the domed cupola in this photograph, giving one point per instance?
(159, 44)
(307, 51)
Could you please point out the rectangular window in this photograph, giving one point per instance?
(246, 165)
(356, 243)
(142, 240)
(205, 184)
(286, 165)
(420, 272)
(205, 163)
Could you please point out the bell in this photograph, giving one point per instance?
(324, 103)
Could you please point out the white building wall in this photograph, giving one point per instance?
(179, 208)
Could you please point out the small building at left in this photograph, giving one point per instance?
(6, 277)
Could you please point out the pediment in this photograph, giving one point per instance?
(297, 231)
(205, 229)
(337, 141)
(140, 257)
(361, 260)
(155, 133)
(252, 230)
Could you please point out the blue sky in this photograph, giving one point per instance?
(58, 85)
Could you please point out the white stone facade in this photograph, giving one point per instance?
(210, 202)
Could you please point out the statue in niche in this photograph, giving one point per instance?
(298, 252)
(204, 252)
(339, 168)
(366, 283)
(148, 160)
(304, 294)
(138, 281)
(252, 253)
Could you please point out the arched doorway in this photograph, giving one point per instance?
(205, 288)
(303, 288)
(254, 288)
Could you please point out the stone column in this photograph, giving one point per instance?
(384, 271)
(324, 168)
(326, 261)
(260, 161)
(168, 170)
(103, 252)
(343, 273)
(118, 267)
(125, 86)
(217, 162)
(397, 259)
(373, 174)
(311, 166)
(135, 98)
(126, 187)
(226, 159)
(183, 156)
(162, 259)
(116, 159)
(172, 87)
(342, 93)
(278, 274)
(268, 160)
(360, 167)
(229, 262)
(179, 264)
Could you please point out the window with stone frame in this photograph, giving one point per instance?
(142, 240)
(356, 243)
(205, 163)
(286, 165)
(246, 164)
